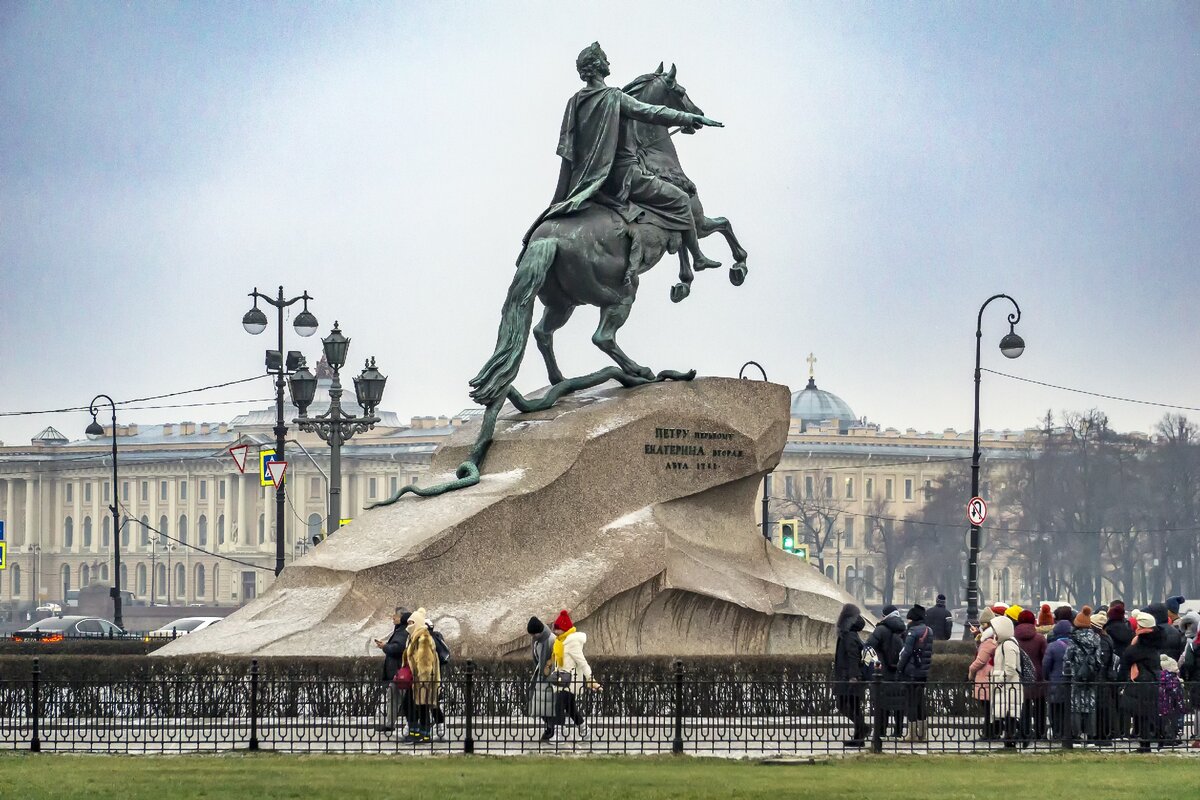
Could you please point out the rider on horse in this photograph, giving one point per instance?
(600, 163)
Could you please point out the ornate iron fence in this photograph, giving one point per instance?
(491, 713)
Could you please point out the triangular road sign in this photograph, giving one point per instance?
(277, 469)
(239, 456)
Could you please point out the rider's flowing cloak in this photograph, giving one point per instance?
(587, 143)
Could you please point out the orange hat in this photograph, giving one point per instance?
(563, 622)
(1084, 618)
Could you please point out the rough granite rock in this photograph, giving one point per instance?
(633, 508)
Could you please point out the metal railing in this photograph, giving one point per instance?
(481, 713)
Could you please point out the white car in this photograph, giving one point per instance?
(181, 627)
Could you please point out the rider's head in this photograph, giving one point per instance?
(592, 62)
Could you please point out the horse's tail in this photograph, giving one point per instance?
(492, 382)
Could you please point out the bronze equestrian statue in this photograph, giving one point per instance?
(622, 202)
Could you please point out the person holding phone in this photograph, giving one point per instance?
(393, 654)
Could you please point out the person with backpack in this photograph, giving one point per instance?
(1007, 694)
(570, 673)
(1033, 645)
(1107, 690)
(915, 660)
(849, 671)
(421, 657)
(1058, 684)
(1082, 662)
(980, 670)
(886, 641)
(1171, 703)
(1140, 674)
(1189, 668)
(437, 713)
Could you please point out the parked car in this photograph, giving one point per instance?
(55, 629)
(181, 627)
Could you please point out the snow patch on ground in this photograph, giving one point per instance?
(642, 515)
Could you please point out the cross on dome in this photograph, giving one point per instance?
(811, 361)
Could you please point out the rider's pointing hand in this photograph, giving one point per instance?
(711, 123)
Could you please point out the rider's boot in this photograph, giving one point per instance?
(699, 260)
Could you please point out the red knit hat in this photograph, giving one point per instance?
(563, 621)
(1026, 616)
(1045, 616)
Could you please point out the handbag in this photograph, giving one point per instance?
(561, 678)
(403, 678)
(542, 699)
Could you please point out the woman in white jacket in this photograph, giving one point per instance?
(1006, 692)
(569, 659)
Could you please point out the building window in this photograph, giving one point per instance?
(107, 492)
(371, 488)
(908, 489)
(183, 489)
(145, 531)
(162, 490)
(203, 490)
(221, 527)
(125, 524)
(87, 532)
(314, 526)
(202, 536)
(180, 580)
(869, 489)
(85, 575)
(15, 580)
(395, 484)
(183, 529)
(163, 526)
(68, 533)
(808, 487)
(848, 524)
(789, 487)
(125, 491)
(141, 579)
(145, 491)
(829, 487)
(221, 490)
(889, 491)
(66, 582)
(87, 492)
(849, 488)
(70, 492)
(869, 580)
(262, 528)
(928, 489)
(198, 585)
(105, 532)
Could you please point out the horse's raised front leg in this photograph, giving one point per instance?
(553, 318)
(611, 319)
(710, 225)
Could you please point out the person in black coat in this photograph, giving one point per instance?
(940, 620)
(1171, 639)
(849, 687)
(1140, 671)
(887, 640)
(393, 652)
(915, 661)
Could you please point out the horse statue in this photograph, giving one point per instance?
(593, 255)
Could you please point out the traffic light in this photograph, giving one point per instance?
(787, 534)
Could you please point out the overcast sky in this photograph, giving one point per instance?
(887, 166)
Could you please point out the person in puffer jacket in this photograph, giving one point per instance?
(915, 661)
(1052, 673)
(1034, 646)
(887, 640)
(1007, 696)
(980, 670)
(568, 657)
(1170, 638)
(849, 685)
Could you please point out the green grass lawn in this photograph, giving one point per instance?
(996, 777)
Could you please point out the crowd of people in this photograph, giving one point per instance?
(1088, 676)
(415, 654)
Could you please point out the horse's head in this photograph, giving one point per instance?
(662, 89)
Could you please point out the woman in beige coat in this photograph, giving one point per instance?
(1007, 694)
(421, 657)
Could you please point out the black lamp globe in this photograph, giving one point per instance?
(336, 347)
(1012, 345)
(254, 321)
(368, 387)
(303, 386)
(306, 322)
(95, 430)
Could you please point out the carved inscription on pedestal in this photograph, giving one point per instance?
(686, 449)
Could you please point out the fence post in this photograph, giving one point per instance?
(36, 743)
(469, 701)
(880, 712)
(677, 742)
(254, 704)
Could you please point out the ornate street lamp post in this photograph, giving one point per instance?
(255, 322)
(94, 430)
(766, 490)
(1012, 345)
(335, 426)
